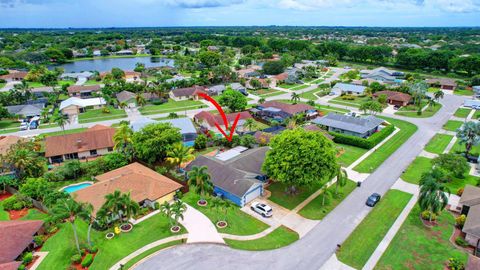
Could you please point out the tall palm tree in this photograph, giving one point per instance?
(140, 100)
(432, 196)
(60, 120)
(200, 179)
(113, 204)
(88, 208)
(179, 154)
(129, 207)
(342, 179)
(70, 210)
(178, 208)
(431, 103)
(418, 91)
(123, 140)
(167, 210)
(326, 192)
(250, 124)
(295, 98)
(469, 134)
(222, 205)
(439, 94)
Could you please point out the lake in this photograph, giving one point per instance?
(106, 64)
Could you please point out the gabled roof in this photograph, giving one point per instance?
(141, 182)
(237, 86)
(10, 265)
(442, 81)
(349, 123)
(472, 223)
(470, 196)
(350, 87)
(16, 235)
(217, 88)
(83, 88)
(14, 74)
(26, 109)
(188, 91)
(211, 118)
(394, 95)
(288, 108)
(236, 175)
(125, 96)
(96, 137)
(184, 124)
(75, 101)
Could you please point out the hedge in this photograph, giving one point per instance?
(368, 143)
(87, 260)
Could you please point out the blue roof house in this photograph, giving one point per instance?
(187, 129)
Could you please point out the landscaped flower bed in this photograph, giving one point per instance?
(109, 235)
(126, 227)
(175, 229)
(202, 203)
(221, 224)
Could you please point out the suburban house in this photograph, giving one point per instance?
(240, 88)
(26, 110)
(17, 238)
(132, 75)
(349, 89)
(14, 75)
(7, 141)
(95, 141)
(476, 91)
(185, 125)
(125, 52)
(75, 76)
(350, 125)
(395, 98)
(207, 120)
(145, 186)
(126, 97)
(251, 71)
(216, 90)
(75, 105)
(40, 92)
(264, 83)
(472, 103)
(382, 74)
(83, 91)
(236, 174)
(470, 206)
(442, 83)
(279, 111)
(187, 93)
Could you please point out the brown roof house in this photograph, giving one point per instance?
(279, 111)
(187, 93)
(144, 185)
(14, 75)
(395, 98)
(83, 91)
(470, 206)
(96, 141)
(207, 120)
(17, 237)
(442, 83)
(7, 141)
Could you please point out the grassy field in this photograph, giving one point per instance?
(462, 112)
(300, 87)
(350, 154)
(418, 247)
(438, 143)
(150, 252)
(354, 103)
(315, 210)
(99, 115)
(310, 94)
(7, 123)
(239, 223)
(2, 85)
(463, 92)
(288, 86)
(280, 196)
(415, 170)
(266, 92)
(363, 241)
(429, 112)
(452, 125)
(280, 237)
(171, 106)
(383, 152)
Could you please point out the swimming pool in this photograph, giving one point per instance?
(73, 188)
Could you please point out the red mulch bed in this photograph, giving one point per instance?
(17, 214)
(4, 196)
(35, 258)
(78, 266)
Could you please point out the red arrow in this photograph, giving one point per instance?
(224, 117)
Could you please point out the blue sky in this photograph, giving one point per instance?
(124, 13)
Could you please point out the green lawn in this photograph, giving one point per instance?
(280, 196)
(62, 82)
(2, 85)
(92, 82)
(288, 86)
(61, 245)
(67, 131)
(300, 87)
(415, 170)
(354, 103)
(383, 152)
(149, 252)
(462, 112)
(460, 148)
(317, 81)
(35, 214)
(418, 247)
(458, 183)
(452, 125)
(3, 214)
(266, 92)
(350, 154)
(315, 210)
(429, 112)
(7, 123)
(99, 115)
(363, 241)
(239, 223)
(438, 143)
(413, 107)
(280, 237)
(463, 92)
(35, 84)
(310, 94)
(172, 106)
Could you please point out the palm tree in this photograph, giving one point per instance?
(326, 192)
(122, 105)
(129, 207)
(418, 90)
(113, 204)
(438, 95)
(60, 120)
(432, 196)
(222, 205)
(167, 210)
(342, 179)
(179, 154)
(262, 100)
(469, 134)
(178, 208)
(200, 179)
(69, 209)
(140, 100)
(431, 103)
(250, 124)
(88, 208)
(123, 140)
(295, 98)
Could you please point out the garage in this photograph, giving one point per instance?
(253, 193)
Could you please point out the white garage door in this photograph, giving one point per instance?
(254, 193)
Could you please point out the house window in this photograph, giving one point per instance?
(93, 152)
(71, 156)
(110, 149)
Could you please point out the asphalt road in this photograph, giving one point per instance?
(318, 245)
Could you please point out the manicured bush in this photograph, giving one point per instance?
(156, 205)
(9, 202)
(455, 264)
(427, 215)
(39, 240)
(93, 249)
(87, 260)
(21, 267)
(18, 206)
(461, 242)
(368, 143)
(27, 258)
(200, 142)
(460, 221)
(76, 258)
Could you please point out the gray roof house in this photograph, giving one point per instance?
(216, 90)
(187, 129)
(381, 74)
(26, 110)
(350, 89)
(236, 174)
(125, 96)
(470, 206)
(238, 87)
(350, 125)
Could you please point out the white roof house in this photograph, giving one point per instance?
(74, 101)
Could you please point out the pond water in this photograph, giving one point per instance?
(106, 64)
(74, 188)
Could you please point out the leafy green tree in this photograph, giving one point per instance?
(5, 181)
(233, 100)
(432, 196)
(117, 74)
(200, 142)
(24, 160)
(140, 100)
(248, 140)
(372, 107)
(439, 94)
(453, 164)
(209, 58)
(199, 178)
(469, 134)
(179, 154)
(273, 67)
(153, 141)
(123, 142)
(250, 124)
(60, 120)
(418, 91)
(342, 179)
(298, 157)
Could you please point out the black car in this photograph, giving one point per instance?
(373, 199)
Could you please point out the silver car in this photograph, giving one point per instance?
(262, 209)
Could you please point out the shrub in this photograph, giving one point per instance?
(460, 221)
(200, 142)
(21, 267)
(54, 176)
(87, 260)
(93, 249)
(76, 258)
(27, 258)
(461, 242)
(18, 206)
(455, 264)
(9, 202)
(427, 215)
(348, 97)
(156, 205)
(39, 240)
(105, 110)
(460, 192)
(368, 143)
(161, 170)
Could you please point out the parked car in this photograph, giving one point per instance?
(373, 199)
(23, 126)
(331, 94)
(396, 107)
(262, 209)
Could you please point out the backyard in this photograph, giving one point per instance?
(100, 115)
(349, 154)
(171, 106)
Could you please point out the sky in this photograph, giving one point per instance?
(151, 13)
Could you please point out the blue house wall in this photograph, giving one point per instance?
(227, 195)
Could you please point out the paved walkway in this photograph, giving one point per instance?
(334, 264)
(200, 228)
(427, 154)
(41, 256)
(450, 145)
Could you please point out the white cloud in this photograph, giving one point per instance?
(203, 3)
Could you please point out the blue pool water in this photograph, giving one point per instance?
(189, 144)
(71, 189)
